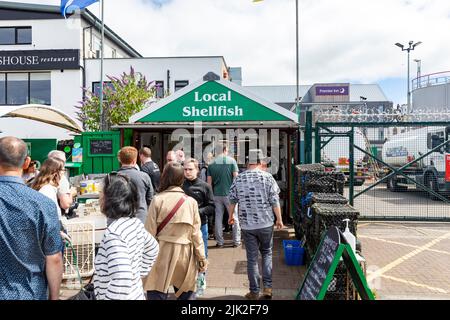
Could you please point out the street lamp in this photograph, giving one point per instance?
(411, 47)
(419, 71)
(297, 98)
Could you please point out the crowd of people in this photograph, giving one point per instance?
(158, 223)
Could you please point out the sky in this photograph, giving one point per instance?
(340, 40)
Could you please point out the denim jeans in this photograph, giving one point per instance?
(259, 240)
(204, 229)
(220, 202)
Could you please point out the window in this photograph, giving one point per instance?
(40, 88)
(15, 35)
(7, 36)
(25, 88)
(96, 87)
(17, 88)
(159, 86)
(181, 84)
(23, 35)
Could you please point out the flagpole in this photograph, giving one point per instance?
(102, 116)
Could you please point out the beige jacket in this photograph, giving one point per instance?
(180, 243)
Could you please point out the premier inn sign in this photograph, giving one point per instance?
(39, 60)
(213, 101)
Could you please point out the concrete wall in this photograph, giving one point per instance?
(431, 98)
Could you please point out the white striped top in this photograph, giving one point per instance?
(126, 254)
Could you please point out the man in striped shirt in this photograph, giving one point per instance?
(127, 251)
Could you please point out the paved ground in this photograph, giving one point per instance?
(407, 260)
(404, 261)
(380, 202)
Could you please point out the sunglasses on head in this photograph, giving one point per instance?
(111, 174)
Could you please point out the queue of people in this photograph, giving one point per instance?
(157, 223)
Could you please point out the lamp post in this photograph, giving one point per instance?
(297, 97)
(410, 48)
(419, 71)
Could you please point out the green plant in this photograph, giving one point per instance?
(122, 98)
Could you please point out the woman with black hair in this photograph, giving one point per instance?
(127, 251)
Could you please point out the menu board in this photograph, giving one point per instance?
(101, 147)
(320, 266)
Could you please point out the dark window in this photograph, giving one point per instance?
(40, 88)
(15, 35)
(2, 88)
(159, 86)
(181, 84)
(17, 88)
(96, 87)
(24, 35)
(7, 36)
(25, 88)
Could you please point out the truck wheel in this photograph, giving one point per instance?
(393, 185)
(358, 183)
(433, 185)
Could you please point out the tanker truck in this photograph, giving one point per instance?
(432, 171)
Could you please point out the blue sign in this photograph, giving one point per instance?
(332, 91)
(396, 152)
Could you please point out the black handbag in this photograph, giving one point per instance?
(85, 293)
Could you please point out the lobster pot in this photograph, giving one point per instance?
(330, 198)
(322, 182)
(80, 253)
(341, 286)
(301, 171)
(326, 215)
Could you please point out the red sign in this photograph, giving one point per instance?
(447, 168)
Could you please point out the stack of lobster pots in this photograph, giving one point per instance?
(320, 204)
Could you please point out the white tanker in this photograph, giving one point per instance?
(432, 171)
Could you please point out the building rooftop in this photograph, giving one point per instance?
(287, 93)
(85, 14)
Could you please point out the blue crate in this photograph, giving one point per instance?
(293, 252)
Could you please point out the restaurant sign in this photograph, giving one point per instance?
(40, 60)
(213, 101)
(332, 90)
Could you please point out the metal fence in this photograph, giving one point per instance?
(396, 169)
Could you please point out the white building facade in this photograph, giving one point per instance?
(47, 59)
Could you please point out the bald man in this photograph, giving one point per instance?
(31, 265)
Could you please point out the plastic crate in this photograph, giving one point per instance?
(79, 254)
(293, 252)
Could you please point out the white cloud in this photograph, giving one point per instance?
(340, 40)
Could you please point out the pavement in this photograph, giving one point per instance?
(382, 203)
(407, 261)
(404, 261)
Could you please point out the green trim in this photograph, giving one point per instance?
(360, 274)
(330, 274)
(213, 102)
(383, 124)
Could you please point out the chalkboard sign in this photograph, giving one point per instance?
(322, 268)
(100, 147)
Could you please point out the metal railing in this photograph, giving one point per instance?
(431, 79)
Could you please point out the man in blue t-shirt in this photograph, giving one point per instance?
(31, 264)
